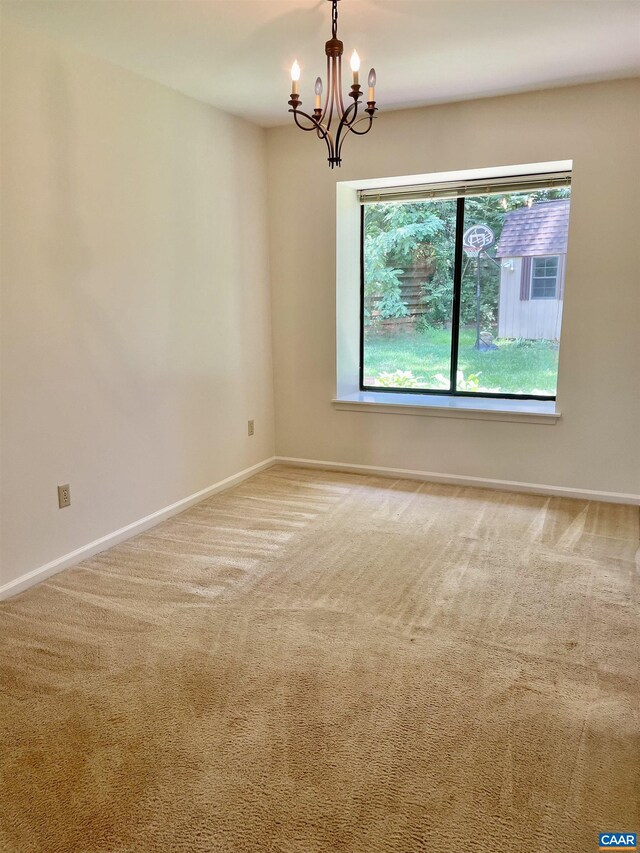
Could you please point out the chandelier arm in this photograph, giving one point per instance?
(345, 124)
(326, 103)
(346, 120)
(335, 90)
(315, 125)
(334, 101)
(330, 145)
(339, 87)
(350, 129)
(328, 109)
(324, 134)
(322, 131)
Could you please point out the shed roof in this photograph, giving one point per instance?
(541, 229)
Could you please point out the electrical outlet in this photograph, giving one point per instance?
(64, 496)
(250, 428)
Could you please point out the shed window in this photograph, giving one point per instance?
(544, 278)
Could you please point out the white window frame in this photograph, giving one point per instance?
(534, 278)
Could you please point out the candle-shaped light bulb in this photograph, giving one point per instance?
(295, 76)
(372, 84)
(318, 94)
(355, 67)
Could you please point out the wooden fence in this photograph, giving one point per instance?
(411, 293)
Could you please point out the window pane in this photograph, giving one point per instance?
(545, 274)
(408, 294)
(545, 266)
(511, 299)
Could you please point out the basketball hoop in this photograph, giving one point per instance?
(477, 239)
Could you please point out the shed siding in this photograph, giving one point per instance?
(532, 319)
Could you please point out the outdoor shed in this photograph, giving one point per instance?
(532, 250)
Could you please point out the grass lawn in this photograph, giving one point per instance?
(516, 367)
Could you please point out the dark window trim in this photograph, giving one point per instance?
(455, 328)
(457, 295)
(361, 384)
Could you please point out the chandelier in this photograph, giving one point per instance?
(349, 119)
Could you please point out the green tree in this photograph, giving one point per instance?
(402, 236)
(399, 237)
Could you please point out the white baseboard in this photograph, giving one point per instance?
(31, 578)
(111, 539)
(461, 480)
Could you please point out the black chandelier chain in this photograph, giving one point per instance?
(350, 119)
(334, 19)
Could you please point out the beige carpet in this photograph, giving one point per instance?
(320, 662)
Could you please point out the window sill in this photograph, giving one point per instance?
(432, 405)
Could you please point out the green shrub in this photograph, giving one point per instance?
(398, 379)
(471, 383)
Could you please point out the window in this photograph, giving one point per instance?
(544, 278)
(460, 287)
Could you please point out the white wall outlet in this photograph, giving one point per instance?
(64, 496)
(250, 428)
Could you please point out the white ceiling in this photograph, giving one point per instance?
(236, 54)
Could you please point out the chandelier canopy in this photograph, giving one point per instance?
(349, 119)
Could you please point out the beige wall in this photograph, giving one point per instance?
(135, 302)
(596, 444)
(135, 297)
